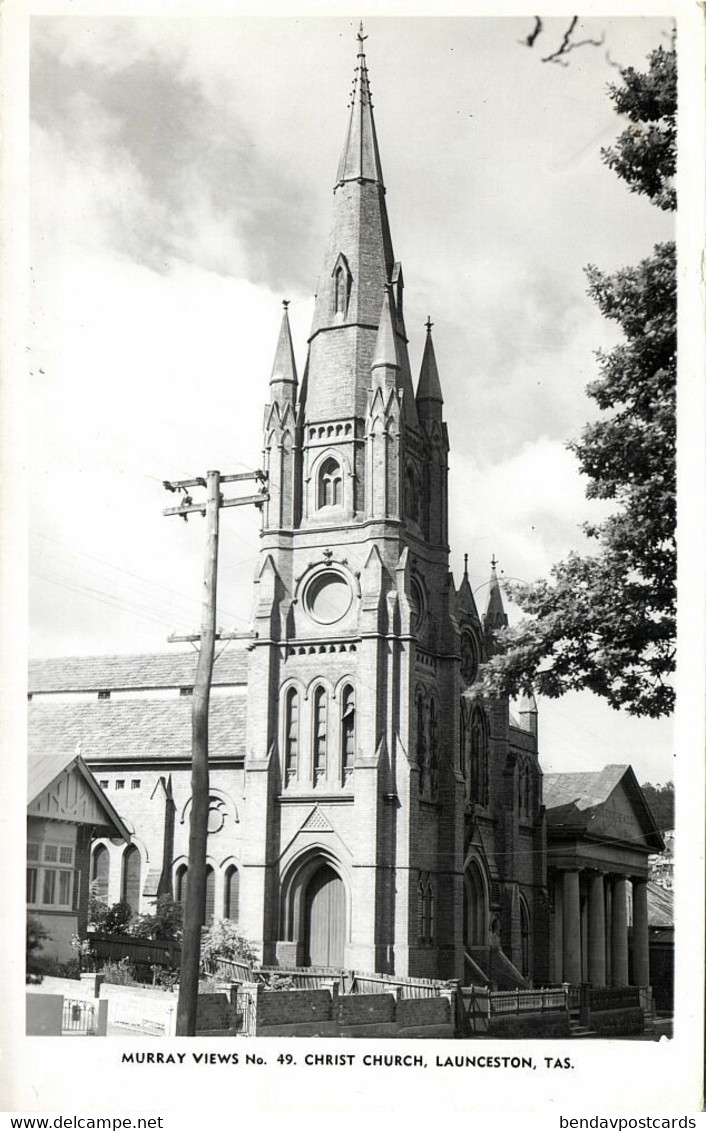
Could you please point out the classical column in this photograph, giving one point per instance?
(584, 935)
(558, 967)
(608, 928)
(571, 928)
(640, 933)
(619, 932)
(596, 931)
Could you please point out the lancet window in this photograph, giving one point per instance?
(330, 492)
(347, 732)
(291, 734)
(320, 738)
(425, 909)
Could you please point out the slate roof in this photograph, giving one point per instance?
(571, 800)
(581, 791)
(132, 729)
(45, 768)
(660, 906)
(125, 673)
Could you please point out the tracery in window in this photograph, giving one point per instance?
(330, 483)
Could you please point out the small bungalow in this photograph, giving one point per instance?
(66, 811)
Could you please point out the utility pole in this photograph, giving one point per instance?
(195, 902)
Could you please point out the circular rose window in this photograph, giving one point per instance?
(328, 597)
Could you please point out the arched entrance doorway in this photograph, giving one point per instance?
(324, 918)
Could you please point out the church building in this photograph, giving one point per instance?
(369, 809)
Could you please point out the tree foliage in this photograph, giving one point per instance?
(660, 799)
(605, 621)
(36, 935)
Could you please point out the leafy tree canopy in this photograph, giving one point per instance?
(605, 621)
(660, 799)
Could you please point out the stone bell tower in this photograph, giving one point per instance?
(352, 785)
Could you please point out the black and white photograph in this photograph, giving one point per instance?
(359, 707)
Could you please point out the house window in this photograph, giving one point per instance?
(135, 783)
(104, 783)
(231, 894)
(291, 734)
(330, 483)
(319, 733)
(348, 731)
(32, 878)
(104, 695)
(186, 690)
(51, 883)
(120, 783)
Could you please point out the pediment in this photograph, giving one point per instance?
(620, 818)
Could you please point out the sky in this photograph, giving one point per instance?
(181, 180)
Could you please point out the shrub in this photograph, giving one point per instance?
(222, 940)
(35, 935)
(164, 925)
(52, 967)
(98, 909)
(164, 976)
(120, 973)
(117, 918)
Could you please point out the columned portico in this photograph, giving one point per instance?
(600, 836)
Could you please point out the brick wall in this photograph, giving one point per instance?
(286, 1007)
(365, 1009)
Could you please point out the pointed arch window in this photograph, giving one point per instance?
(348, 731)
(341, 286)
(100, 871)
(209, 896)
(320, 724)
(421, 745)
(130, 888)
(433, 749)
(231, 894)
(525, 934)
(291, 734)
(425, 909)
(479, 759)
(180, 882)
(330, 492)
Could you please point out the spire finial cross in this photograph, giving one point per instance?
(493, 562)
(465, 565)
(285, 303)
(428, 323)
(361, 36)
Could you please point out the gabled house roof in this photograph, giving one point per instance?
(43, 772)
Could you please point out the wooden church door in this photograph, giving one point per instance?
(325, 919)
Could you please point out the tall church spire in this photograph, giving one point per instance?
(495, 615)
(358, 264)
(360, 159)
(283, 381)
(429, 387)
